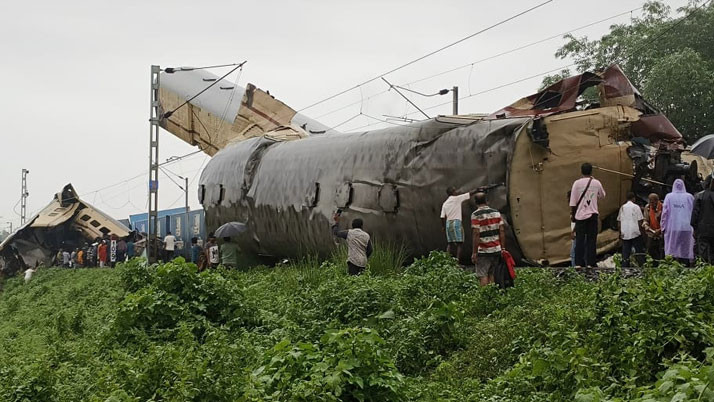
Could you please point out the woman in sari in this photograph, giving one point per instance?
(676, 223)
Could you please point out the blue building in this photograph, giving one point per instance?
(174, 221)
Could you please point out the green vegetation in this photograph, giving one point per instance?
(309, 332)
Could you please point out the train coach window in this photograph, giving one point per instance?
(389, 198)
(95, 223)
(201, 193)
(85, 218)
(314, 198)
(221, 193)
(344, 195)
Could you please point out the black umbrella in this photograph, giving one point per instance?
(231, 229)
(704, 147)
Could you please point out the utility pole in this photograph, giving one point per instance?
(455, 94)
(187, 226)
(154, 117)
(23, 198)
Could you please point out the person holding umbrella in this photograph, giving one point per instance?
(229, 250)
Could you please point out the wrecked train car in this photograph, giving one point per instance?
(395, 179)
(66, 222)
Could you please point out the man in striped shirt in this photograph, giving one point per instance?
(489, 237)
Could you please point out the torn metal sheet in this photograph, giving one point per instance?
(66, 222)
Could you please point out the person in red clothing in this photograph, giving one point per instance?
(102, 253)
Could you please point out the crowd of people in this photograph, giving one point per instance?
(212, 254)
(97, 254)
(680, 226)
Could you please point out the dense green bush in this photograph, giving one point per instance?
(307, 331)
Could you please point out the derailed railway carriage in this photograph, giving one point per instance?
(285, 175)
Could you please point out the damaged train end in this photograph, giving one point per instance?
(66, 222)
(632, 146)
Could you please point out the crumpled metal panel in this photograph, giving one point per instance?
(394, 179)
(615, 89)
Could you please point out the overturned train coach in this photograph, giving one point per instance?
(286, 175)
(67, 222)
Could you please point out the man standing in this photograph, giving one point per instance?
(451, 220)
(653, 230)
(359, 244)
(630, 218)
(584, 196)
(703, 223)
(196, 251)
(102, 254)
(66, 258)
(212, 253)
(169, 246)
(229, 253)
(489, 239)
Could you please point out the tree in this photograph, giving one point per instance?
(670, 59)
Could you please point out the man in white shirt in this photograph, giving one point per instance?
(169, 246)
(451, 216)
(630, 218)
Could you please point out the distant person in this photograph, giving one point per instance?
(103, 254)
(80, 258)
(130, 253)
(196, 251)
(229, 253)
(451, 216)
(169, 246)
(66, 258)
(489, 239)
(584, 196)
(703, 223)
(59, 258)
(677, 224)
(212, 252)
(28, 274)
(359, 244)
(121, 250)
(653, 230)
(630, 219)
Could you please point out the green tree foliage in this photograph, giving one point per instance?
(668, 57)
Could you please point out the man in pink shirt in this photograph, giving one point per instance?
(584, 196)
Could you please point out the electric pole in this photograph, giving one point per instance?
(455, 94)
(23, 197)
(154, 117)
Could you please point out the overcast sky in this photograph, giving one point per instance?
(75, 74)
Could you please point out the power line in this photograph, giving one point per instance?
(492, 57)
(143, 173)
(626, 53)
(428, 54)
(171, 70)
(171, 112)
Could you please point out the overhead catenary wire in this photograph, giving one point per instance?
(171, 112)
(629, 53)
(428, 54)
(492, 57)
(167, 162)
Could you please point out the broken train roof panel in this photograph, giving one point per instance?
(66, 206)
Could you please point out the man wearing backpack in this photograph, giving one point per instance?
(584, 195)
